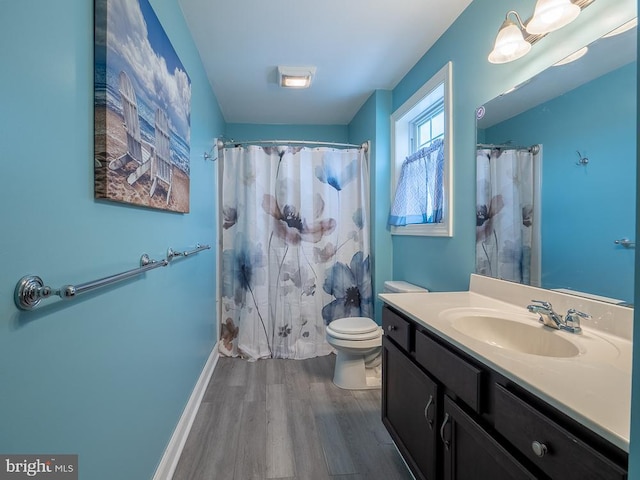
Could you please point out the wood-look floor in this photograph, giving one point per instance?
(286, 420)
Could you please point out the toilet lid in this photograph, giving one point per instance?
(354, 337)
(353, 325)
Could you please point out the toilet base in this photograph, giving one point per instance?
(350, 372)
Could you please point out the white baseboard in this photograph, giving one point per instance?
(172, 453)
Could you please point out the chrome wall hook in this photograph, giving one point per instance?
(581, 160)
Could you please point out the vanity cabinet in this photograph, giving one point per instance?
(454, 418)
(412, 416)
(470, 452)
(547, 444)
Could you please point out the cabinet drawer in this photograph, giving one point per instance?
(396, 328)
(549, 446)
(457, 374)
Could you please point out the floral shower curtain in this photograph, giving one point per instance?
(504, 214)
(295, 248)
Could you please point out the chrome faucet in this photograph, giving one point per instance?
(547, 315)
(570, 323)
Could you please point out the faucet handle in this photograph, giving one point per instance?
(544, 304)
(572, 320)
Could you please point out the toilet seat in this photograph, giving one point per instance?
(354, 329)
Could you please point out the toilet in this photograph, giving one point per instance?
(358, 345)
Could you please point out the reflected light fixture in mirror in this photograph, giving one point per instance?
(622, 28)
(550, 15)
(572, 57)
(510, 43)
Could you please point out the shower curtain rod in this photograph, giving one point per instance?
(533, 148)
(222, 144)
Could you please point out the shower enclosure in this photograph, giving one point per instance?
(294, 246)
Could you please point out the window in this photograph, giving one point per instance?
(421, 189)
(429, 126)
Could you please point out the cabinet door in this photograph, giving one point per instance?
(470, 453)
(409, 411)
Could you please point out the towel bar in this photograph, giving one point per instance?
(171, 253)
(31, 290)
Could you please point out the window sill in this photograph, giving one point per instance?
(439, 230)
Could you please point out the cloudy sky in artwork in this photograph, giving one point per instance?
(136, 36)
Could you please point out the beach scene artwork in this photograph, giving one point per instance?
(142, 109)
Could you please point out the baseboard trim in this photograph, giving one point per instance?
(169, 461)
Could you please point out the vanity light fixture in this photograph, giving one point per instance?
(514, 40)
(295, 77)
(550, 15)
(572, 57)
(510, 43)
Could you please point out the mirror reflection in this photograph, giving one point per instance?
(556, 173)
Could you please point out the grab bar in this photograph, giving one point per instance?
(31, 290)
(171, 253)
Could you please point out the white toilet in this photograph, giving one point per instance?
(358, 345)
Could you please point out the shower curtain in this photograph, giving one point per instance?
(504, 214)
(294, 248)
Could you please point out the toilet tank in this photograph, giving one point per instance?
(398, 286)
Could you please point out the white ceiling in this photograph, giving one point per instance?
(358, 46)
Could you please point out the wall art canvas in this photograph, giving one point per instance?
(142, 109)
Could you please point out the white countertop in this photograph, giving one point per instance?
(593, 387)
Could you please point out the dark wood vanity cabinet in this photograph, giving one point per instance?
(454, 418)
(411, 417)
(472, 453)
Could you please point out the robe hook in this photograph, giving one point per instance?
(581, 160)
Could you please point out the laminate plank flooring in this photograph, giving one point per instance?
(286, 420)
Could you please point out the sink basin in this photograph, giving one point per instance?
(514, 335)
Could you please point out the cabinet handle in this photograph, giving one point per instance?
(391, 328)
(540, 449)
(444, 423)
(426, 412)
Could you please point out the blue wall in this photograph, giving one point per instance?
(107, 375)
(584, 209)
(372, 123)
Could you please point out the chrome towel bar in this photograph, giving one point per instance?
(171, 253)
(31, 290)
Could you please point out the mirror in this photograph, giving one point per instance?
(556, 171)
